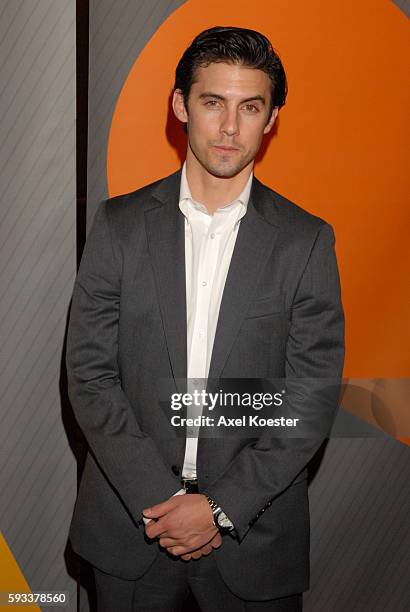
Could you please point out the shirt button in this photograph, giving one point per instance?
(204, 283)
(212, 235)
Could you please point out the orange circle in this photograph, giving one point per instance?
(340, 148)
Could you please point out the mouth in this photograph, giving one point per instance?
(225, 149)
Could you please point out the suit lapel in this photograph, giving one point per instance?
(255, 241)
(166, 243)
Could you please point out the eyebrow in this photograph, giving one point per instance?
(209, 94)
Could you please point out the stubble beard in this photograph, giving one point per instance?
(224, 168)
(227, 170)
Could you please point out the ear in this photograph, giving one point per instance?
(272, 120)
(178, 106)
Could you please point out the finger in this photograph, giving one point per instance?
(200, 552)
(180, 550)
(167, 526)
(216, 540)
(167, 542)
(159, 509)
(175, 535)
(156, 529)
(197, 554)
(177, 551)
(192, 555)
(190, 544)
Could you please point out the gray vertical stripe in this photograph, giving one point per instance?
(37, 268)
(360, 531)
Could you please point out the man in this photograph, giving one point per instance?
(206, 274)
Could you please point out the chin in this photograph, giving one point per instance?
(224, 171)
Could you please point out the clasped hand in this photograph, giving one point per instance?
(184, 526)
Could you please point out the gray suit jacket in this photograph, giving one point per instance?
(281, 316)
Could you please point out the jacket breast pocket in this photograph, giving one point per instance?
(266, 306)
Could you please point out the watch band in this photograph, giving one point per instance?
(214, 508)
(220, 520)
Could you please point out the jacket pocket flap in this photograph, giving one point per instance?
(267, 305)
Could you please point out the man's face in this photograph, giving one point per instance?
(227, 116)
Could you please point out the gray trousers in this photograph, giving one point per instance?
(167, 584)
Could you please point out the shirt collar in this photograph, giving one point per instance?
(185, 196)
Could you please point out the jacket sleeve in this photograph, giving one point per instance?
(127, 456)
(264, 468)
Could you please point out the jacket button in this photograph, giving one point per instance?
(175, 469)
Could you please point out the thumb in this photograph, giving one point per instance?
(157, 510)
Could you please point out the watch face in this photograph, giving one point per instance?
(223, 520)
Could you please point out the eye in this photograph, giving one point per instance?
(212, 103)
(251, 108)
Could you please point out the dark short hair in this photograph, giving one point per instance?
(237, 46)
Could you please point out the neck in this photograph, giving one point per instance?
(212, 191)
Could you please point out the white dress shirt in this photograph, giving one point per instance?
(209, 244)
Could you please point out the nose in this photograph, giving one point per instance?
(230, 123)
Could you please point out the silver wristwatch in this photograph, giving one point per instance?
(220, 519)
